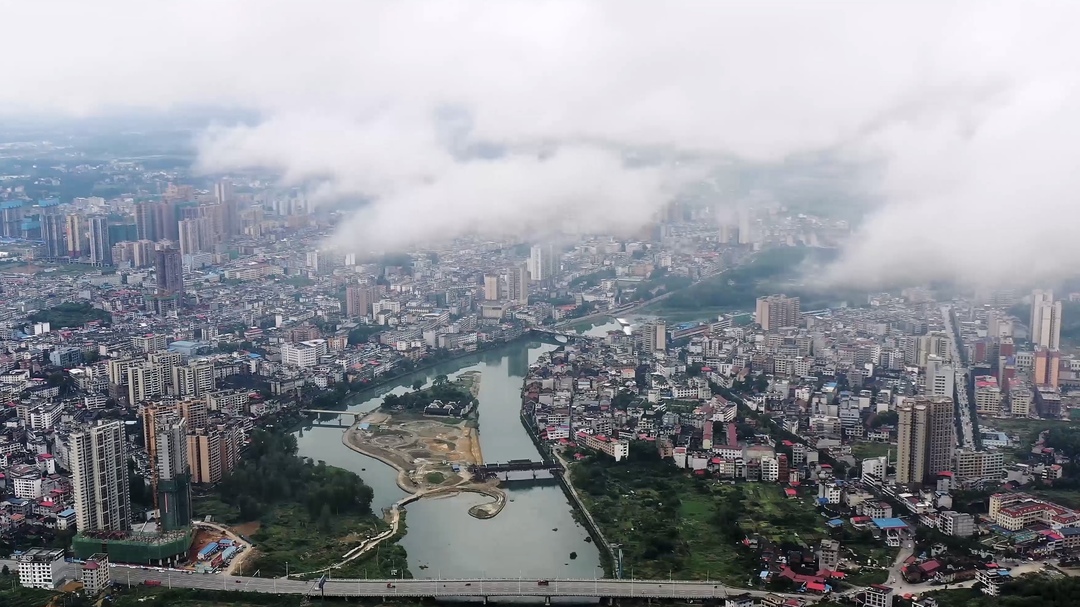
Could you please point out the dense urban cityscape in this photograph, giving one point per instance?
(611, 302)
(161, 347)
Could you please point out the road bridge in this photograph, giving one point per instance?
(560, 336)
(356, 415)
(480, 588)
(518, 470)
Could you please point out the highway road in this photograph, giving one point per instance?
(433, 588)
(963, 409)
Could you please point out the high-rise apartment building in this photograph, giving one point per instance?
(1039, 297)
(358, 300)
(172, 474)
(144, 254)
(491, 287)
(195, 412)
(225, 195)
(193, 380)
(654, 336)
(99, 473)
(777, 311)
(926, 438)
(146, 221)
(191, 237)
(1047, 371)
(940, 378)
(100, 247)
(76, 236)
(204, 451)
(745, 234)
(543, 262)
(1045, 320)
(145, 381)
(169, 268)
(517, 283)
(53, 227)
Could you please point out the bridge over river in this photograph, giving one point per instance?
(435, 588)
(518, 470)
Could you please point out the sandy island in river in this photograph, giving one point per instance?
(425, 449)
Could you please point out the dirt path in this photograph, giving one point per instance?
(355, 440)
(476, 455)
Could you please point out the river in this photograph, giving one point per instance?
(535, 533)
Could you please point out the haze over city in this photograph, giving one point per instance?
(963, 113)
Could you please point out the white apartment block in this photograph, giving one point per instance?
(41, 568)
(303, 354)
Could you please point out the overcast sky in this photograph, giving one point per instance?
(969, 110)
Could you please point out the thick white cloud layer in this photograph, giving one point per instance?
(970, 109)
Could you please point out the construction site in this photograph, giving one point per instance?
(433, 454)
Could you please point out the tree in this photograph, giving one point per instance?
(5, 571)
(418, 385)
(885, 418)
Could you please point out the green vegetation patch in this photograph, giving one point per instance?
(18, 596)
(866, 450)
(771, 271)
(441, 389)
(70, 314)
(671, 523)
(311, 514)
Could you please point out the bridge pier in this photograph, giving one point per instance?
(547, 600)
(485, 600)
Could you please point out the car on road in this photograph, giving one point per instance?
(542, 583)
(389, 585)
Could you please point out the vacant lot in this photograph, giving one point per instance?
(670, 523)
(865, 450)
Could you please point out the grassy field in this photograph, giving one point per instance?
(671, 524)
(23, 597)
(865, 450)
(287, 535)
(1026, 429)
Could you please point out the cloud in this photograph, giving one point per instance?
(964, 113)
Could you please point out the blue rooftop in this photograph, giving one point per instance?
(67, 512)
(835, 523)
(889, 523)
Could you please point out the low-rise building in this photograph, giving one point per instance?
(41, 568)
(95, 573)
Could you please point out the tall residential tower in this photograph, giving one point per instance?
(99, 472)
